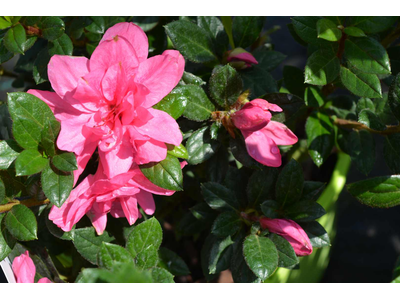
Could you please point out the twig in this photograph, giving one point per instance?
(27, 203)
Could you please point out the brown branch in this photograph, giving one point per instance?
(27, 203)
(359, 126)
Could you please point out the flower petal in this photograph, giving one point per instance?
(251, 118)
(118, 160)
(146, 201)
(24, 269)
(264, 104)
(44, 280)
(129, 206)
(280, 133)
(149, 151)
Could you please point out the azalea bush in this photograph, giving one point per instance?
(162, 149)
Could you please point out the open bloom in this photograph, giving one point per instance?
(24, 269)
(106, 102)
(262, 136)
(98, 195)
(291, 231)
(241, 59)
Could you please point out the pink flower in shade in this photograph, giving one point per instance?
(24, 269)
(291, 231)
(262, 136)
(98, 195)
(241, 59)
(106, 102)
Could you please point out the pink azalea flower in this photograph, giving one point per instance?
(262, 136)
(241, 59)
(106, 102)
(24, 269)
(98, 195)
(291, 231)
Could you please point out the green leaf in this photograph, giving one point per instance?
(317, 234)
(270, 209)
(40, 66)
(192, 41)
(65, 162)
(306, 28)
(170, 261)
(4, 23)
(304, 211)
(5, 54)
(88, 244)
(52, 27)
(294, 80)
(173, 104)
(15, 39)
(29, 162)
(391, 152)
(322, 67)
(199, 107)
(7, 242)
(292, 105)
(146, 23)
(320, 137)
(373, 24)
(394, 56)
(9, 151)
(287, 256)
(268, 59)
(219, 197)
(312, 190)
(178, 151)
(161, 276)
(49, 135)
(261, 255)
(261, 185)
(218, 165)
(362, 150)
(61, 46)
(2, 191)
(98, 25)
(56, 185)
(258, 80)
(225, 85)
(189, 78)
(354, 31)
(109, 254)
(363, 103)
(313, 97)
(219, 247)
(145, 235)
(328, 30)
(200, 146)
(361, 84)
(380, 192)
(166, 174)
(239, 151)
(246, 30)
(367, 55)
(29, 113)
(21, 223)
(215, 30)
(227, 223)
(289, 185)
(371, 120)
(394, 96)
(58, 232)
(148, 258)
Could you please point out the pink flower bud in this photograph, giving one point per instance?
(251, 117)
(241, 59)
(291, 231)
(24, 269)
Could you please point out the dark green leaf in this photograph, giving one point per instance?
(166, 174)
(227, 223)
(370, 119)
(192, 41)
(109, 254)
(190, 78)
(40, 67)
(294, 80)
(29, 162)
(49, 135)
(9, 151)
(304, 211)
(320, 137)
(270, 209)
(261, 255)
(361, 84)
(61, 46)
(354, 31)
(170, 261)
(287, 256)
(5, 54)
(200, 146)
(52, 27)
(292, 105)
(383, 111)
(15, 39)
(225, 85)
(317, 234)
(216, 31)
(306, 28)
(199, 107)
(373, 24)
(362, 150)
(246, 30)
(58, 232)
(261, 185)
(173, 104)
(380, 192)
(161, 276)
(88, 243)
(394, 96)
(322, 67)
(2, 191)
(391, 152)
(312, 190)
(239, 151)
(268, 59)
(65, 162)
(7, 242)
(289, 185)
(258, 81)
(313, 97)
(56, 185)
(394, 56)
(218, 248)
(328, 30)
(363, 103)
(146, 23)
(98, 25)
(219, 197)
(21, 223)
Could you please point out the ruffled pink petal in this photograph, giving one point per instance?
(65, 71)
(251, 118)
(44, 280)
(280, 133)
(133, 34)
(98, 217)
(169, 132)
(264, 104)
(113, 83)
(146, 201)
(116, 210)
(129, 206)
(160, 74)
(262, 148)
(24, 269)
(149, 151)
(87, 95)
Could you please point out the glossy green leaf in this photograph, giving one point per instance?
(146, 23)
(270, 209)
(199, 107)
(361, 84)
(268, 59)
(161, 276)
(320, 137)
(40, 66)
(312, 190)
(354, 31)
(15, 39)
(216, 31)
(316, 233)
(371, 120)
(373, 24)
(144, 235)
(377, 192)
(219, 197)
(227, 223)
(29, 162)
(65, 162)
(363, 103)
(9, 151)
(21, 223)
(394, 96)
(170, 261)
(200, 146)
(178, 151)
(189, 78)
(4, 23)
(261, 255)
(313, 97)
(322, 67)
(218, 250)
(362, 150)
(109, 254)
(367, 55)
(56, 185)
(225, 85)
(391, 152)
(258, 80)
(192, 41)
(88, 243)
(287, 256)
(246, 30)
(98, 25)
(61, 46)
(166, 174)
(7, 242)
(304, 211)
(52, 27)
(5, 54)
(306, 28)
(173, 104)
(328, 30)
(148, 258)
(261, 185)
(49, 135)
(289, 185)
